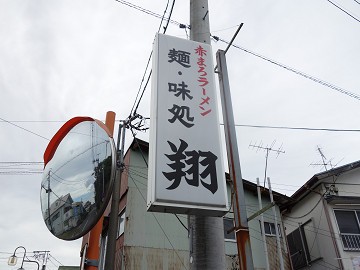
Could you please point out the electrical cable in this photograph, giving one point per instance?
(157, 221)
(24, 129)
(20, 173)
(134, 111)
(127, 174)
(149, 12)
(143, 91)
(269, 216)
(296, 224)
(53, 263)
(293, 223)
(181, 222)
(10, 165)
(55, 259)
(223, 29)
(163, 16)
(309, 212)
(343, 10)
(168, 21)
(255, 211)
(142, 154)
(298, 128)
(33, 121)
(298, 72)
(293, 128)
(140, 192)
(317, 229)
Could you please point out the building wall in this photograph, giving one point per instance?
(318, 230)
(256, 239)
(151, 240)
(159, 241)
(347, 184)
(311, 211)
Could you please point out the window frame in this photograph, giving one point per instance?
(271, 234)
(121, 223)
(343, 235)
(55, 217)
(308, 254)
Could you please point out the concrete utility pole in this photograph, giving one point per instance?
(208, 247)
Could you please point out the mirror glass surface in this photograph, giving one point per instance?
(77, 181)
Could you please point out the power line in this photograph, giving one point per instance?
(149, 12)
(241, 125)
(24, 129)
(298, 128)
(294, 128)
(19, 173)
(317, 229)
(55, 259)
(168, 21)
(144, 88)
(33, 121)
(298, 72)
(181, 222)
(22, 162)
(163, 16)
(137, 101)
(343, 10)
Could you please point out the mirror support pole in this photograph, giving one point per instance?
(115, 200)
(92, 254)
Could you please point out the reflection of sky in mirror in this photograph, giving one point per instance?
(72, 167)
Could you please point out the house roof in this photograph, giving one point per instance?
(316, 179)
(279, 198)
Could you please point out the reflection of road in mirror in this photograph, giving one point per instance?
(76, 182)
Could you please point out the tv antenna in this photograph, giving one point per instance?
(267, 149)
(324, 161)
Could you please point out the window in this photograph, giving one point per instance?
(66, 223)
(270, 229)
(229, 226)
(348, 223)
(303, 245)
(103, 243)
(121, 223)
(299, 251)
(55, 217)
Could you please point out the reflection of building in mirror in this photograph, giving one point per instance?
(101, 172)
(79, 171)
(65, 214)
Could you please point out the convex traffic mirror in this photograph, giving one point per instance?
(78, 176)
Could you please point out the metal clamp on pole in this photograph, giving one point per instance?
(92, 262)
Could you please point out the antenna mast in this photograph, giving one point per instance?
(268, 149)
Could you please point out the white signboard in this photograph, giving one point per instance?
(186, 171)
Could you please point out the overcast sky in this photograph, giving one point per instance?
(60, 59)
